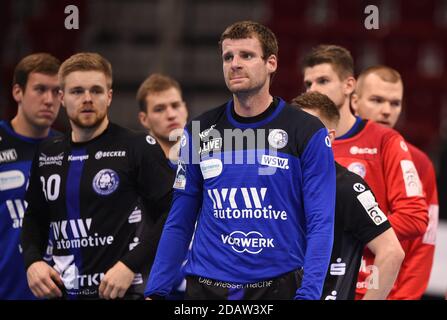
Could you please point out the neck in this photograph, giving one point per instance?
(22, 127)
(86, 134)
(251, 105)
(347, 120)
(170, 149)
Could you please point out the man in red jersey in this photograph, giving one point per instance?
(378, 97)
(378, 154)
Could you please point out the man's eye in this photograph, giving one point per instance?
(227, 58)
(376, 100)
(323, 81)
(77, 91)
(247, 56)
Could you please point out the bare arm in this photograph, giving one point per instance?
(388, 258)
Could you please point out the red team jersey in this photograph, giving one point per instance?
(415, 271)
(381, 156)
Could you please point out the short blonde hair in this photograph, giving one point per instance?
(86, 61)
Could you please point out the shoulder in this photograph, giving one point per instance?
(302, 127)
(302, 120)
(208, 119)
(419, 156)
(349, 182)
(381, 132)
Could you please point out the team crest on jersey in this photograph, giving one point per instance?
(150, 139)
(357, 168)
(278, 138)
(106, 182)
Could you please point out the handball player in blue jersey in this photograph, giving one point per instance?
(257, 176)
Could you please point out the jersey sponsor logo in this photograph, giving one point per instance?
(105, 182)
(180, 177)
(278, 138)
(16, 209)
(357, 150)
(252, 242)
(338, 268)
(81, 158)
(134, 243)
(45, 160)
(404, 146)
(183, 140)
(75, 233)
(211, 168)
(211, 145)
(433, 219)
(359, 187)
(138, 279)
(109, 154)
(327, 140)
(72, 279)
(277, 162)
(11, 179)
(206, 132)
(226, 204)
(150, 140)
(372, 208)
(358, 168)
(332, 296)
(413, 185)
(372, 280)
(8, 155)
(135, 216)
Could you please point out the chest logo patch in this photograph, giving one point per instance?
(357, 168)
(278, 138)
(105, 182)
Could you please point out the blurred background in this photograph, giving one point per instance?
(180, 38)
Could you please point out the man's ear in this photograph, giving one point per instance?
(142, 116)
(109, 97)
(61, 97)
(331, 134)
(349, 85)
(272, 63)
(17, 93)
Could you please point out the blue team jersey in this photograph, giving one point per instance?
(16, 155)
(262, 191)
